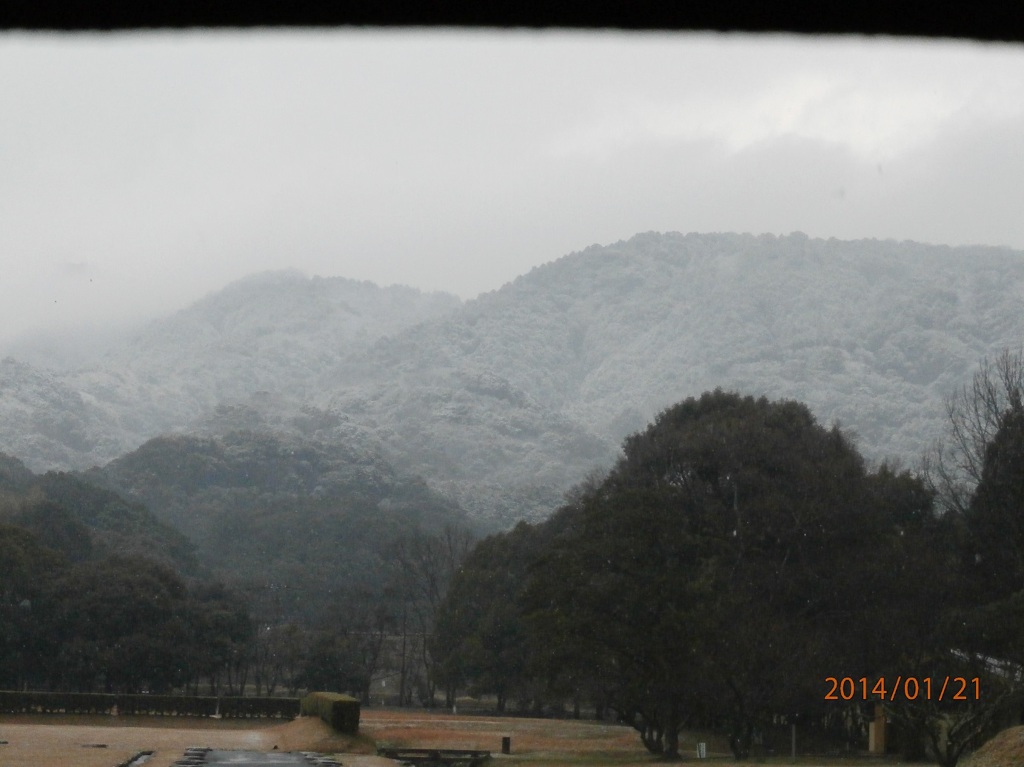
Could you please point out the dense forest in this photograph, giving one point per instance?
(312, 568)
(740, 556)
(347, 487)
(737, 559)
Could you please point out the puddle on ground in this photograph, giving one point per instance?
(255, 758)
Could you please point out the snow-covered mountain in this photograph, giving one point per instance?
(273, 332)
(505, 401)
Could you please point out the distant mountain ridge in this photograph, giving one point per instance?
(504, 401)
(268, 332)
(872, 334)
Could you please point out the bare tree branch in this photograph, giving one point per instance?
(953, 467)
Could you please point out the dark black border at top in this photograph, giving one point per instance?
(987, 20)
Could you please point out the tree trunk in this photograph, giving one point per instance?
(672, 732)
(403, 671)
(739, 740)
(652, 736)
(243, 676)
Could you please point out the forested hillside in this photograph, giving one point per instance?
(549, 373)
(301, 525)
(83, 521)
(93, 591)
(505, 401)
(270, 333)
(285, 562)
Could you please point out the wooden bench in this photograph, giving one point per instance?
(436, 757)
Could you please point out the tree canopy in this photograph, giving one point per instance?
(735, 557)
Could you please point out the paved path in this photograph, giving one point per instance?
(196, 757)
(246, 758)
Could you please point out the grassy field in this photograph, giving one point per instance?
(98, 741)
(555, 742)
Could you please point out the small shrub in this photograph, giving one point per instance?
(339, 711)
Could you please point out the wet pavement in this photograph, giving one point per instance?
(255, 757)
(196, 757)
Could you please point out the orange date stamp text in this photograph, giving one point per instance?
(903, 688)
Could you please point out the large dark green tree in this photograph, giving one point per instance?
(722, 570)
(700, 572)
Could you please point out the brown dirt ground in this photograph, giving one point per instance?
(533, 737)
(554, 742)
(1004, 750)
(106, 741)
(97, 741)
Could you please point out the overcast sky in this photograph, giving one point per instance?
(139, 172)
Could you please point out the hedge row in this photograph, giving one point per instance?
(160, 705)
(339, 711)
(259, 708)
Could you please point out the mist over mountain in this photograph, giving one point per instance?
(69, 348)
(505, 401)
(270, 332)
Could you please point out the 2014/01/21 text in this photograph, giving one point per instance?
(909, 688)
